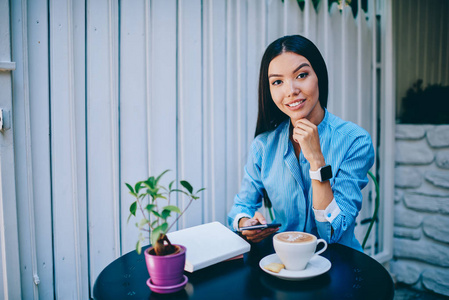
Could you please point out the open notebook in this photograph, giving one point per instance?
(208, 244)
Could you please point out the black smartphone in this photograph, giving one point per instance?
(260, 226)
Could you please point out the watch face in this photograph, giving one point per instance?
(326, 173)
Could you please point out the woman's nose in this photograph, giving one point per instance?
(293, 89)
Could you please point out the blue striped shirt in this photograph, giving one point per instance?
(272, 165)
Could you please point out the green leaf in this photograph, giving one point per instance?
(156, 214)
(163, 227)
(151, 189)
(127, 221)
(165, 214)
(133, 208)
(172, 208)
(151, 182)
(143, 222)
(157, 232)
(187, 186)
(159, 177)
(139, 247)
(160, 196)
(130, 188)
(200, 190)
(181, 191)
(137, 186)
(170, 185)
(150, 207)
(154, 223)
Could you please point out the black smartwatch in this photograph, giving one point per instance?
(322, 174)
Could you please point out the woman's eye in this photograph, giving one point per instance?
(302, 75)
(276, 82)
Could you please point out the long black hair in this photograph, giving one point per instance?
(269, 115)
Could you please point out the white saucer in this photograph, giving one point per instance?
(316, 266)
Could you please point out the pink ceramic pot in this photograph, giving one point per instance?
(166, 270)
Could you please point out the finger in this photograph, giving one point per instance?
(300, 132)
(263, 235)
(260, 218)
(304, 122)
(250, 233)
(305, 128)
(266, 232)
(310, 128)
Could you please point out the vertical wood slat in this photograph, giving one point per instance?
(206, 69)
(215, 109)
(163, 122)
(441, 39)
(445, 50)
(255, 46)
(426, 36)
(102, 135)
(335, 64)
(359, 61)
(133, 113)
(310, 21)
(387, 138)
(294, 18)
(79, 128)
(274, 20)
(234, 28)
(25, 196)
(69, 242)
(343, 101)
(350, 41)
(10, 272)
(374, 96)
(190, 123)
(163, 104)
(133, 164)
(239, 129)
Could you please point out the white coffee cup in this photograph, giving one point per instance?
(296, 249)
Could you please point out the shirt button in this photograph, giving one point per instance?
(329, 215)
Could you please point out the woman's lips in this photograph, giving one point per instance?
(297, 104)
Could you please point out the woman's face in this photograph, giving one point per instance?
(294, 87)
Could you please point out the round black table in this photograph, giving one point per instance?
(353, 275)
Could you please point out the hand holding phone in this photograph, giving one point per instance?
(257, 231)
(260, 226)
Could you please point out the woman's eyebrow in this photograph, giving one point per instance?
(294, 71)
(274, 75)
(300, 66)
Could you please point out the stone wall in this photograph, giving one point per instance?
(421, 216)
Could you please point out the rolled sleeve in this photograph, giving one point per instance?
(350, 179)
(329, 213)
(237, 218)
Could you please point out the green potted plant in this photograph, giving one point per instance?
(165, 261)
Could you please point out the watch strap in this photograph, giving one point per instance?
(315, 174)
(322, 174)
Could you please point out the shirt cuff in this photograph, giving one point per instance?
(328, 214)
(237, 218)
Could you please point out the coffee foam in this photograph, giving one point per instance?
(294, 237)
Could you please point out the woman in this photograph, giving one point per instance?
(311, 164)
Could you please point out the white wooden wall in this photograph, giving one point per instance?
(108, 92)
(9, 243)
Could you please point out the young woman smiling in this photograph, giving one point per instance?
(310, 164)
